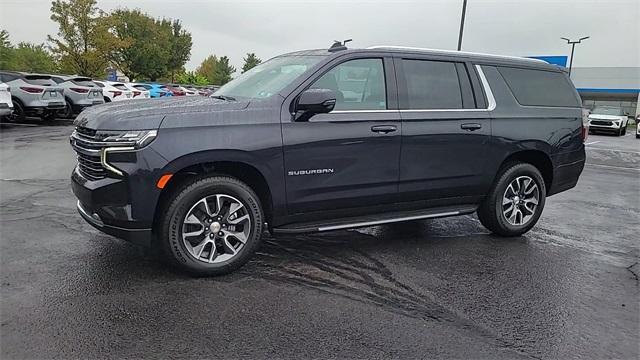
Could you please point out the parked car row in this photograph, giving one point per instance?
(50, 96)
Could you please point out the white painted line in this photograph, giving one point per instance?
(591, 143)
(614, 167)
(615, 150)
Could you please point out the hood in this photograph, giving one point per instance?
(148, 114)
(606, 117)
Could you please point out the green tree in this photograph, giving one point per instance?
(6, 50)
(85, 43)
(180, 47)
(25, 56)
(207, 68)
(148, 53)
(222, 71)
(33, 58)
(250, 61)
(191, 77)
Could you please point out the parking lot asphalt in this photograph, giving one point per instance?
(430, 289)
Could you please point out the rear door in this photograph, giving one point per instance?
(347, 158)
(446, 129)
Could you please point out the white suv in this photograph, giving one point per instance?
(609, 119)
(6, 106)
(79, 92)
(31, 94)
(114, 91)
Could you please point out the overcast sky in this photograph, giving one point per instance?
(268, 27)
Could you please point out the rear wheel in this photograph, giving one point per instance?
(515, 203)
(18, 112)
(211, 225)
(624, 130)
(67, 112)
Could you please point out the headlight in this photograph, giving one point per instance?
(124, 142)
(138, 139)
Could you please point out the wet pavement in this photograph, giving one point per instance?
(430, 289)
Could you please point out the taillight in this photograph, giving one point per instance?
(32, 90)
(115, 93)
(136, 93)
(79, 90)
(584, 131)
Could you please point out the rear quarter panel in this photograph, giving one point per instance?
(556, 131)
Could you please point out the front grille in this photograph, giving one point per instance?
(601, 122)
(88, 144)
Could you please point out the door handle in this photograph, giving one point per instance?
(471, 126)
(384, 129)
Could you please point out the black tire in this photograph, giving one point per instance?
(619, 133)
(18, 112)
(637, 136)
(624, 130)
(107, 100)
(178, 206)
(67, 113)
(490, 211)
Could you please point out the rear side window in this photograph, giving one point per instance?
(99, 84)
(539, 87)
(39, 80)
(142, 87)
(431, 85)
(120, 86)
(84, 82)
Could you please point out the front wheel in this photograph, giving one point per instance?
(211, 226)
(515, 203)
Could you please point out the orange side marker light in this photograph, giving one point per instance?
(164, 179)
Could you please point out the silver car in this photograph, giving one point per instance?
(33, 95)
(79, 92)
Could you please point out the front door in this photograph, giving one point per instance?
(348, 158)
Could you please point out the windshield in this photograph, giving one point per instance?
(606, 110)
(269, 77)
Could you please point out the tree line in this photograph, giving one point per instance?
(90, 41)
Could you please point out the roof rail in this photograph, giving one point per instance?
(454, 52)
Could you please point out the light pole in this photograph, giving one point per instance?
(464, 11)
(573, 46)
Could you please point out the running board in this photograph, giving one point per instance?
(372, 220)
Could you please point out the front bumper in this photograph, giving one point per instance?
(140, 237)
(122, 206)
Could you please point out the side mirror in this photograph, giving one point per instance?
(316, 101)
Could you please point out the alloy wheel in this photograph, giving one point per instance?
(520, 200)
(216, 228)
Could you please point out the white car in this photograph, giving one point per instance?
(139, 92)
(6, 105)
(609, 119)
(114, 91)
(187, 92)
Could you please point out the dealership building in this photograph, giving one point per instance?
(613, 86)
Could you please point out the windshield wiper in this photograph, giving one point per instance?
(224, 97)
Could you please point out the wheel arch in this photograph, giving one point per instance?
(538, 158)
(243, 170)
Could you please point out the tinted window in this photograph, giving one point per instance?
(142, 87)
(8, 77)
(358, 84)
(120, 86)
(539, 88)
(99, 84)
(431, 85)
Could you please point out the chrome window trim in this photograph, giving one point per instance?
(487, 89)
(491, 101)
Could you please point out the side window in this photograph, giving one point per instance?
(431, 85)
(539, 87)
(359, 85)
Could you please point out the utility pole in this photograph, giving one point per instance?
(464, 11)
(573, 47)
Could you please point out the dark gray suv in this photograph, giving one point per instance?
(324, 140)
